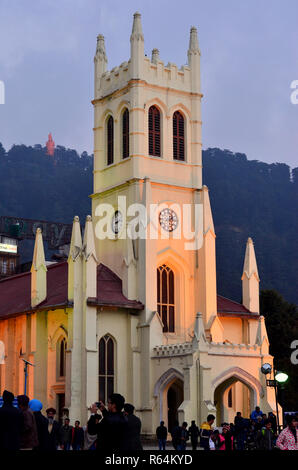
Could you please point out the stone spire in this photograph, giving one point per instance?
(193, 41)
(250, 279)
(100, 63)
(207, 212)
(74, 256)
(137, 47)
(89, 259)
(155, 56)
(193, 55)
(38, 272)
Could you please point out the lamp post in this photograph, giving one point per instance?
(281, 378)
(27, 363)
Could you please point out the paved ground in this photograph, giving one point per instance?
(151, 445)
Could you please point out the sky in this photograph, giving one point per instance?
(249, 58)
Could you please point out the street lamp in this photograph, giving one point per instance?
(267, 369)
(281, 377)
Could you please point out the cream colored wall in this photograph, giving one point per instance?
(232, 329)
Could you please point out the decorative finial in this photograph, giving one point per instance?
(155, 56)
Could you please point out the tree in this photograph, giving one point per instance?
(282, 328)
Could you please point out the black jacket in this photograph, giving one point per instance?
(42, 430)
(53, 438)
(132, 436)
(11, 426)
(194, 432)
(161, 432)
(110, 431)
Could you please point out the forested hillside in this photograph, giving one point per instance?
(249, 198)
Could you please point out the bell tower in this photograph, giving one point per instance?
(148, 151)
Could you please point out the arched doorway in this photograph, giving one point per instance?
(231, 396)
(174, 399)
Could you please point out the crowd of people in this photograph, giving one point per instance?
(116, 428)
(257, 433)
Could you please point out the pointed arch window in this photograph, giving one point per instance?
(61, 357)
(166, 297)
(106, 370)
(125, 134)
(178, 136)
(230, 398)
(110, 140)
(154, 131)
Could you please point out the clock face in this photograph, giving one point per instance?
(117, 222)
(168, 219)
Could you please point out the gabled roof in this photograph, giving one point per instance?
(15, 294)
(15, 291)
(228, 307)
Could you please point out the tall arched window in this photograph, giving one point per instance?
(61, 357)
(166, 297)
(178, 136)
(154, 131)
(125, 134)
(106, 371)
(230, 398)
(110, 140)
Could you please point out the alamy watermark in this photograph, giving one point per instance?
(156, 221)
(294, 355)
(294, 94)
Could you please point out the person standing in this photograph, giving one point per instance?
(194, 435)
(226, 438)
(53, 436)
(29, 438)
(66, 435)
(288, 438)
(265, 437)
(132, 437)
(161, 434)
(176, 435)
(113, 426)
(184, 436)
(256, 413)
(206, 431)
(41, 424)
(11, 423)
(77, 442)
(239, 427)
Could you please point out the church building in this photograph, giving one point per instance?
(140, 316)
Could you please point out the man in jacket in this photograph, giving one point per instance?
(132, 438)
(53, 436)
(184, 436)
(66, 435)
(77, 442)
(41, 424)
(256, 413)
(239, 423)
(112, 428)
(206, 431)
(194, 435)
(161, 434)
(176, 435)
(29, 439)
(11, 423)
(265, 437)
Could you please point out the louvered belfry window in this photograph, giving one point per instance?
(125, 134)
(110, 140)
(154, 131)
(166, 298)
(178, 136)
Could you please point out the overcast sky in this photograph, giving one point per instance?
(249, 59)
